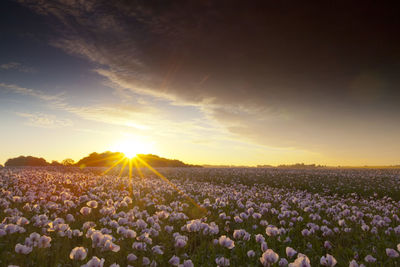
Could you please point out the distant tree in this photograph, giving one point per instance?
(156, 161)
(300, 166)
(26, 161)
(104, 159)
(264, 166)
(108, 158)
(68, 162)
(55, 163)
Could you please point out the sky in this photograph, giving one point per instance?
(206, 82)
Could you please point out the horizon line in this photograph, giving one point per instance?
(282, 165)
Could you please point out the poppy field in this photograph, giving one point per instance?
(199, 217)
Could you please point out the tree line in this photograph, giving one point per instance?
(105, 159)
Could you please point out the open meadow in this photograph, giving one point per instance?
(200, 217)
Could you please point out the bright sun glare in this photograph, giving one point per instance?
(131, 147)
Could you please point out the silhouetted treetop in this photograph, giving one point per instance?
(301, 166)
(68, 162)
(156, 161)
(26, 161)
(55, 163)
(105, 159)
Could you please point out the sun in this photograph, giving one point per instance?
(132, 146)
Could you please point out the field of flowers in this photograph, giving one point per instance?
(202, 217)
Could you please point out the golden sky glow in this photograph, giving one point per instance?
(133, 145)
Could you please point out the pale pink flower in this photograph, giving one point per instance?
(369, 259)
(226, 242)
(391, 253)
(145, 261)
(180, 243)
(327, 245)
(78, 253)
(260, 238)
(187, 263)
(93, 204)
(174, 260)
(328, 260)
(301, 261)
(222, 261)
(44, 242)
(131, 257)
(272, 230)
(290, 252)
(94, 262)
(85, 211)
(157, 250)
(264, 246)
(251, 253)
(269, 257)
(283, 262)
(22, 249)
(109, 245)
(353, 263)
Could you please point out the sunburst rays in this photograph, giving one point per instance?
(137, 162)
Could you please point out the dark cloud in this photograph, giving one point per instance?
(273, 71)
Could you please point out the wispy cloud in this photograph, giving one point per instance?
(140, 116)
(123, 115)
(17, 66)
(116, 115)
(45, 120)
(32, 92)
